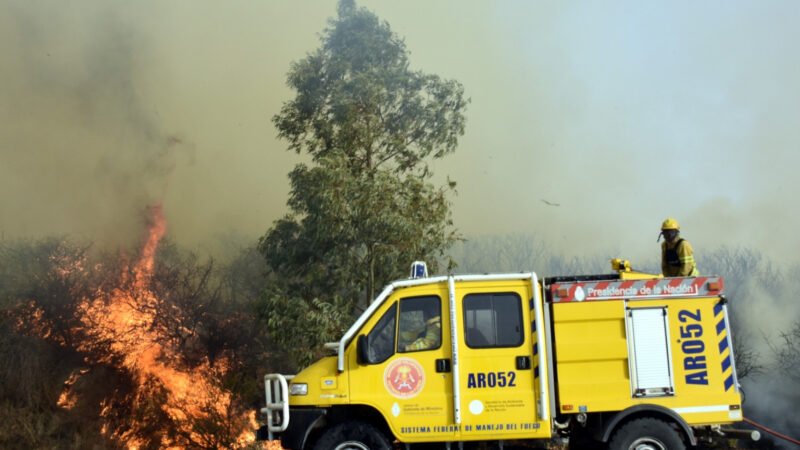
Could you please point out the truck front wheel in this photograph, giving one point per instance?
(646, 434)
(353, 436)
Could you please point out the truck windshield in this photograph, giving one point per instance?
(381, 338)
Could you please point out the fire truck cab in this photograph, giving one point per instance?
(626, 360)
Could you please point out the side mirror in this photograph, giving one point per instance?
(362, 350)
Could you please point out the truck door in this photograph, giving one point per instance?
(408, 377)
(498, 367)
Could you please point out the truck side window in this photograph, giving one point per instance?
(381, 338)
(420, 324)
(493, 320)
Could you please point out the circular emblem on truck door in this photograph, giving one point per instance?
(404, 378)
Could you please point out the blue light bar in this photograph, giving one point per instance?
(419, 270)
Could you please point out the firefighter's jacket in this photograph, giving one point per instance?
(677, 259)
(433, 333)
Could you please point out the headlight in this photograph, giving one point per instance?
(298, 389)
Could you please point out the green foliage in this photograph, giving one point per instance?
(302, 325)
(357, 97)
(364, 208)
(356, 229)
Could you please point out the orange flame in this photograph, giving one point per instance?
(123, 320)
(68, 399)
(274, 445)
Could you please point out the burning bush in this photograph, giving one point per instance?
(159, 350)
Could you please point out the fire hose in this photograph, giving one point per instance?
(772, 432)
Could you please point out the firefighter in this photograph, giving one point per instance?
(430, 336)
(677, 256)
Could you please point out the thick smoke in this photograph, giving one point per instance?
(621, 116)
(766, 308)
(83, 151)
(111, 106)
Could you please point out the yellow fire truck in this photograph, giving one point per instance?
(626, 360)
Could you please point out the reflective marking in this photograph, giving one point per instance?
(729, 382)
(723, 344)
(634, 289)
(721, 326)
(701, 409)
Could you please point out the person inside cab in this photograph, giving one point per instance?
(426, 334)
(677, 255)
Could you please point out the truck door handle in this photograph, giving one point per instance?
(442, 365)
(523, 362)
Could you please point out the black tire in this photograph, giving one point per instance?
(646, 434)
(353, 436)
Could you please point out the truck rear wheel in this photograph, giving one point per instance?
(646, 434)
(353, 436)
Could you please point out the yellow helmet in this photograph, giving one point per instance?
(670, 224)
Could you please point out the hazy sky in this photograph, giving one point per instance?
(623, 113)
